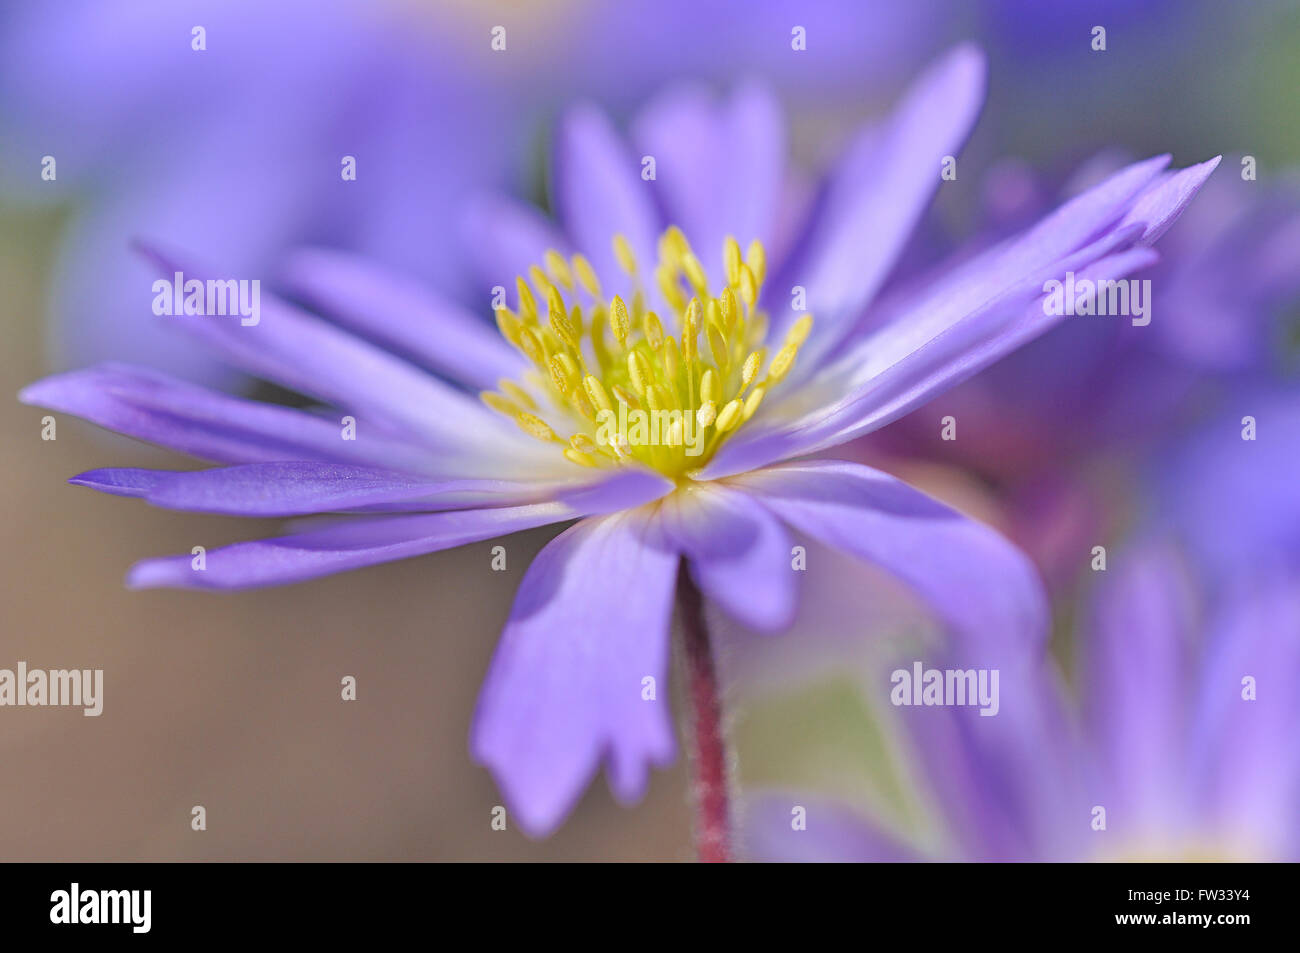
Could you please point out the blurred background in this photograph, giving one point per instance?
(232, 701)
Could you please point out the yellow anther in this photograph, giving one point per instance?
(782, 363)
(499, 403)
(583, 443)
(582, 404)
(531, 344)
(586, 275)
(576, 383)
(709, 386)
(640, 371)
(729, 416)
(596, 392)
(748, 287)
(527, 303)
(674, 436)
(508, 325)
(666, 278)
(623, 252)
(728, 308)
(619, 322)
(564, 326)
(694, 272)
(654, 330)
(517, 393)
(673, 246)
(756, 259)
(580, 458)
(672, 358)
(543, 284)
(558, 268)
(622, 394)
(691, 319)
(798, 332)
(535, 426)
(731, 259)
(657, 398)
(718, 346)
(564, 373)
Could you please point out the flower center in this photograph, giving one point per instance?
(610, 386)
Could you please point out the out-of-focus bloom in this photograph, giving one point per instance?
(236, 149)
(633, 324)
(1183, 747)
(1188, 664)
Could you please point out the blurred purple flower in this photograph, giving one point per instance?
(237, 149)
(1188, 759)
(591, 617)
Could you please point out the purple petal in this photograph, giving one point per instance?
(301, 352)
(1137, 657)
(294, 488)
(951, 357)
(739, 553)
(834, 833)
(153, 406)
(1161, 204)
(878, 193)
(565, 690)
(506, 237)
(718, 165)
(401, 315)
(598, 193)
(974, 580)
(340, 546)
(1249, 763)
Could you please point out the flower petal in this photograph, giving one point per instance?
(564, 692)
(598, 193)
(310, 356)
(1138, 688)
(339, 546)
(402, 316)
(739, 553)
(296, 488)
(718, 165)
(150, 405)
(975, 581)
(878, 193)
(506, 237)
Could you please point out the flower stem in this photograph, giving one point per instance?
(708, 744)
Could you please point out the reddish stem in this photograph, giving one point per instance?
(708, 745)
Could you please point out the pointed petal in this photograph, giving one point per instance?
(980, 585)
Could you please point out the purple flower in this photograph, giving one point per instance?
(237, 148)
(619, 316)
(1181, 748)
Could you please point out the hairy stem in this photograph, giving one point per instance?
(707, 743)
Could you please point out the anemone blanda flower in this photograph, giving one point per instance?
(1187, 758)
(653, 320)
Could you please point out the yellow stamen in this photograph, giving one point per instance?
(642, 355)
